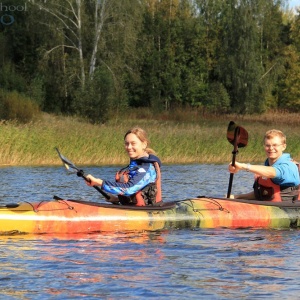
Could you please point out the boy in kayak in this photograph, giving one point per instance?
(278, 180)
(140, 182)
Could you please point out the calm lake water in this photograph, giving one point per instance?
(177, 264)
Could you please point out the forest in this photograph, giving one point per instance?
(93, 58)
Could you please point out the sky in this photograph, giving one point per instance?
(294, 3)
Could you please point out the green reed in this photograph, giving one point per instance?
(183, 137)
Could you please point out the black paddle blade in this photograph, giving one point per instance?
(237, 132)
(67, 163)
(238, 137)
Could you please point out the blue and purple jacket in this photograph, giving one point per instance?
(141, 173)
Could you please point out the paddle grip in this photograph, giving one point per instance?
(234, 153)
(80, 173)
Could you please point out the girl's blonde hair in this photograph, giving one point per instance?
(142, 136)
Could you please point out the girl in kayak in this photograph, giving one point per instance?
(140, 182)
(278, 180)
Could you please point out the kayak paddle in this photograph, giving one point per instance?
(238, 137)
(68, 164)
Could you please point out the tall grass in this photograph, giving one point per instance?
(180, 137)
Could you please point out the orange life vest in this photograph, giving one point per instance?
(265, 189)
(149, 195)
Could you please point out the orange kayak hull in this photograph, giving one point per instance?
(72, 216)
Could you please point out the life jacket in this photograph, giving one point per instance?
(149, 195)
(265, 189)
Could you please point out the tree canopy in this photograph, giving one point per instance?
(91, 58)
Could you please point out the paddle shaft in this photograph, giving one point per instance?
(234, 152)
(81, 174)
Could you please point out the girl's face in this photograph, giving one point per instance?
(134, 146)
(274, 148)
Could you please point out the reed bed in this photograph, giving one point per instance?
(181, 138)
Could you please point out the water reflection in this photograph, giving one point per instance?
(74, 262)
(215, 263)
(236, 262)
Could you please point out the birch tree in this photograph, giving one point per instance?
(97, 36)
(70, 16)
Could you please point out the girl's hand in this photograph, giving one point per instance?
(92, 181)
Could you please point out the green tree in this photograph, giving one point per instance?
(251, 57)
(19, 54)
(95, 57)
(90, 36)
(289, 84)
(239, 66)
(273, 40)
(173, 70)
